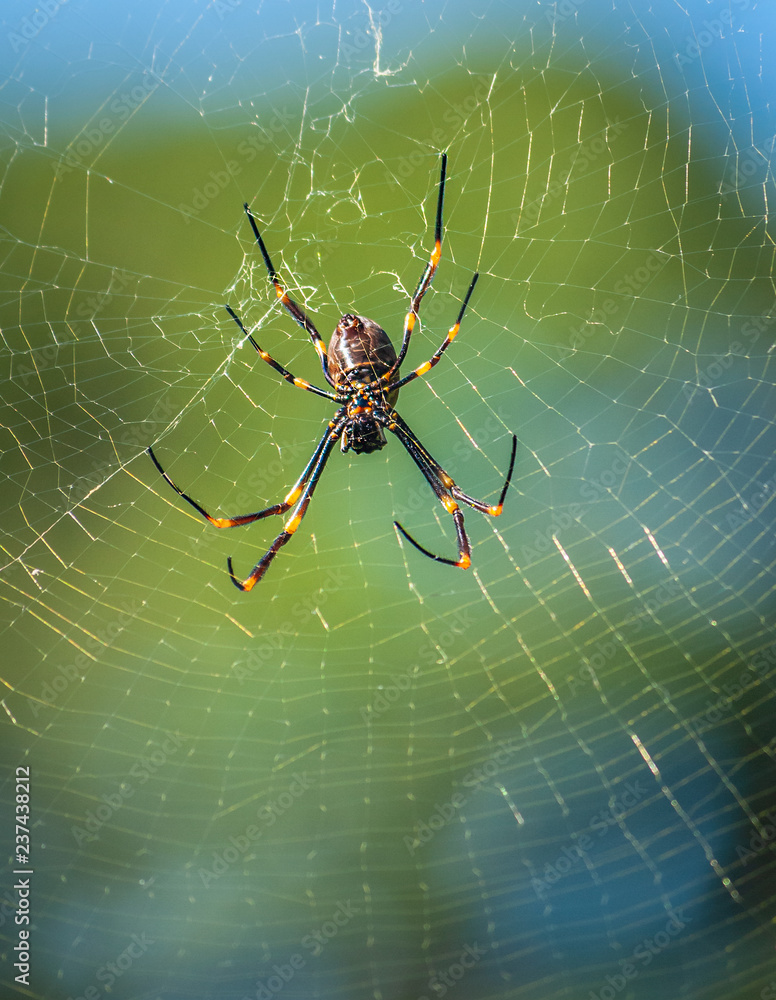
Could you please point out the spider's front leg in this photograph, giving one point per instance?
(425, 279)
(292, 308)
(287, 375)
(452, 333)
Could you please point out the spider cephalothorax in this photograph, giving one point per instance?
(363, 434)
(362, 368)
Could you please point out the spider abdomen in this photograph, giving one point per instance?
(359, 351)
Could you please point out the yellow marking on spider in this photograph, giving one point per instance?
(292, 524)
(300, 383)
(452, 333)
(447, 480)
(294, 495)
(450, 504)
(437, 252)
(423, 368)
(221, 522)
(495, 511)
(465, 561)
(409, 322)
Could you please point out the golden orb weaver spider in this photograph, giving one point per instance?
(362, 368)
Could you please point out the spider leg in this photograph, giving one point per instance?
(445, 497)
(425, 279)
(485, 508)
(303, 497)
(296, 311)
(446, 491)
(298, 382)
(451, 335)
(277, 508)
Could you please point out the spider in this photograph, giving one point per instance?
(362, 368)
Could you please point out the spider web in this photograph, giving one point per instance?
(377, 776)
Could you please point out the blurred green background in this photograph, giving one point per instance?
(376, 776)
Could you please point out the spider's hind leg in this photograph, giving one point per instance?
(448, 492)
